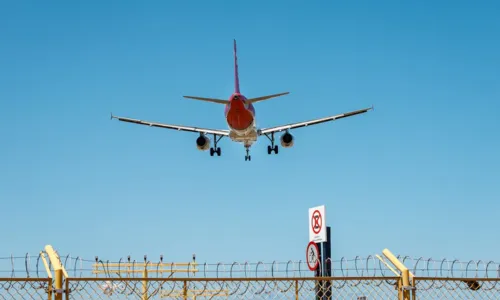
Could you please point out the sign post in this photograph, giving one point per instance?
(319, 235)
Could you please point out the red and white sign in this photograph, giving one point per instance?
(312, 256)
(317, 224)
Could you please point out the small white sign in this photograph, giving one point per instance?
(317, 224)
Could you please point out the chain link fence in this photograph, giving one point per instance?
(358, 288)
(238, 288)
(449, 288)
(25, 288)
(50, 276)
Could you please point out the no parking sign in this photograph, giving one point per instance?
(317, 224)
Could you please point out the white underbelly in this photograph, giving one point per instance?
(243, 132)
(247, 135)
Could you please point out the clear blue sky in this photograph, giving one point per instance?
(418, 175)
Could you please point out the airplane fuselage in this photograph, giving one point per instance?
(240, 118)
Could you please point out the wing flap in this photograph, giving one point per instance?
(174, 127)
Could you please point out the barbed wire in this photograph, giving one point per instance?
(31, 266)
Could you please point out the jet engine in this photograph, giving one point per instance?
(286, 140)
(202, 143)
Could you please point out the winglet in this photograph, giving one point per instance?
(111, 116)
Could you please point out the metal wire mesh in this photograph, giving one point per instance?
(471, 288)
(238, 288)
(24, 288)
(359, 288)
(26, 277)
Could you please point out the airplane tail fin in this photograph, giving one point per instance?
(236, 87)
(236, 77)
(236, 83)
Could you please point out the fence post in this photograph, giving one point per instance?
(58, 271)
(145, 284)
(59, 281)
(296, 289)
(404, 286)
(67, 288)
(49, 289)
(414, 285)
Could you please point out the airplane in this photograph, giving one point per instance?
(241, 120)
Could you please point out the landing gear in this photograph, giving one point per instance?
(272, 147)
(215, 149)
(248, 157)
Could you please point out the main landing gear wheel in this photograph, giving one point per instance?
(213, 151)
(272, 147)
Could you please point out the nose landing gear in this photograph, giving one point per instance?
(248, 157)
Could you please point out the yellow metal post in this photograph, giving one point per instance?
(67, 288)
(59, 284)
(296, 290)
(58, 270)
(404, 283)
(414, 292)
(49, 289)
(49, 274)
(400, 289)
(145, 285)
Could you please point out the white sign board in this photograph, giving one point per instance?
(317, 224)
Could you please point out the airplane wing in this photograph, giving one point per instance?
(175, 127)
(312, 122)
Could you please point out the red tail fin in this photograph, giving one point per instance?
(236, 79)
